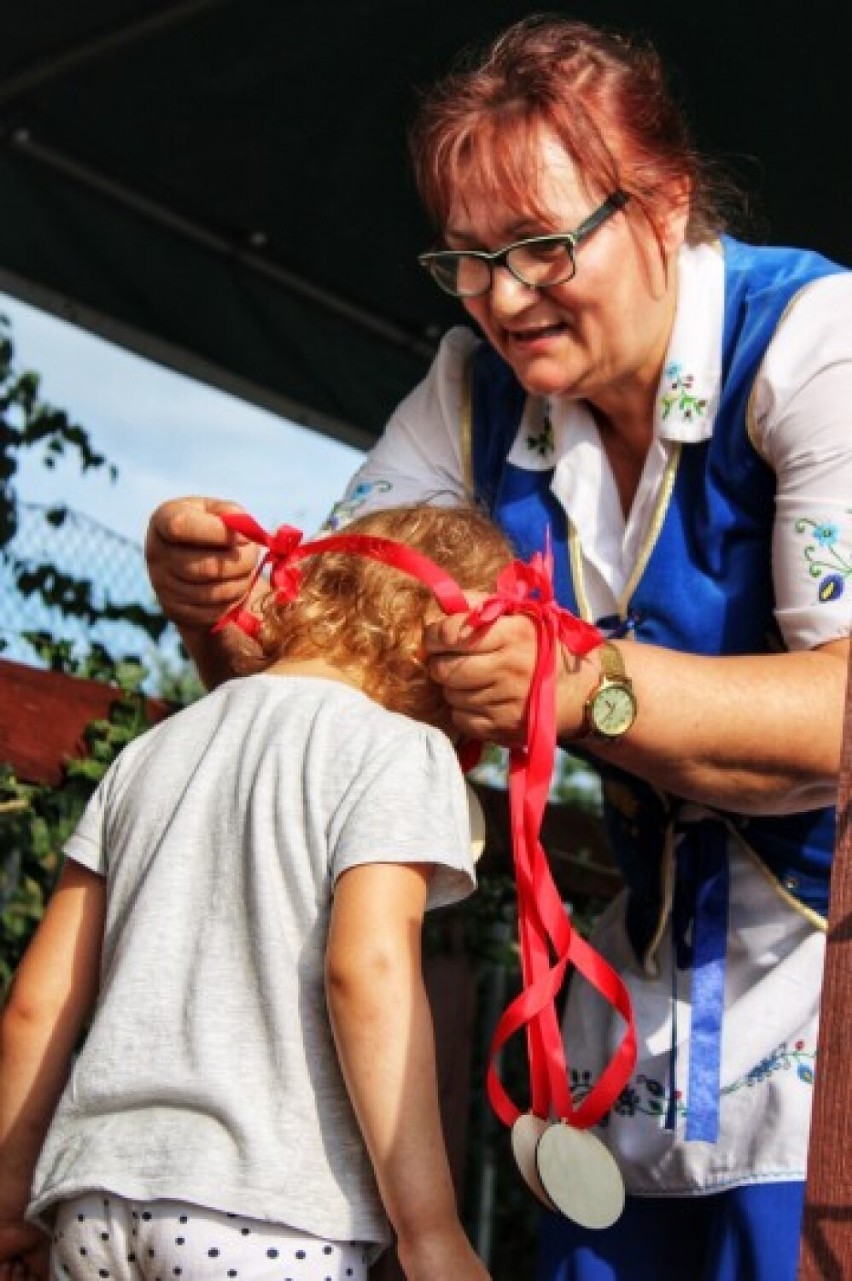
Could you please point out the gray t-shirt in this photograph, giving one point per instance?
(209, 1074)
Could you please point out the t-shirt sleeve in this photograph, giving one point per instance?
(409, 805)
(86, 844)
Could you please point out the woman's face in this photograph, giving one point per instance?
(602, 336)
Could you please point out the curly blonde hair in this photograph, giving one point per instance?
(367, 618)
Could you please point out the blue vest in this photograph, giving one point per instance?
(706, 587)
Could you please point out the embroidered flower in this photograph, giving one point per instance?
(344, 511)
(541, 443)
(650, 1097)
(763, 1069)
(678, 394)
(831, 587)
(782, 1059)
(825, 560)
(826, 534)
(627, 1103)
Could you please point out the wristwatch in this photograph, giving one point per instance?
(611, 707)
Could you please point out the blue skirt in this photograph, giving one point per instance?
(745, 1234)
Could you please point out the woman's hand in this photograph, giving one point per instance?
(198, 568)
(486, 677)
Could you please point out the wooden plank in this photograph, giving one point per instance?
(826, 1253)
(43, 715)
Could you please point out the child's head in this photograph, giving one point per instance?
(367, 618)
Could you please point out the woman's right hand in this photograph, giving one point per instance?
(198, 567)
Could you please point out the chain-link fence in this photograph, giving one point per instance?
(84, 549)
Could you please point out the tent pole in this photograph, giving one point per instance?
(22, 142)
(57, 64)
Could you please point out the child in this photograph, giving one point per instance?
(244, 893)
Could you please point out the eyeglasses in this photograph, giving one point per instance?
(539, 262)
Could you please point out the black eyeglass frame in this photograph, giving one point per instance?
(500, 258)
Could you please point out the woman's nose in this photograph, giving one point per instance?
(509, 295)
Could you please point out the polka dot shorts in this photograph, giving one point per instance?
(105, 1236)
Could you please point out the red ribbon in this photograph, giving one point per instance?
(548, 943)
(285, 547)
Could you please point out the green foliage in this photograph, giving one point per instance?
(36, 819)
(27, 423)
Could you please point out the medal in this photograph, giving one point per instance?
(579, 1175)
(477, 823)
(526, 1133)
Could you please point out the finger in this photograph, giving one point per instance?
(459, 673)
(486, 728)
(444, 634)
(504, 674)
(455, 634)
(192, 565)
(193, 521)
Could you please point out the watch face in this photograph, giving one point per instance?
(613, 710)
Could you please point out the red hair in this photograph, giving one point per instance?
(603, 96)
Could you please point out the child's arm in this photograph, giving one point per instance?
(383, 1028)
(52, 994)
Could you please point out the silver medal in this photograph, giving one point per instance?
(579, 1175)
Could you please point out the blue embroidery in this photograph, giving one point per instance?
(825, 561)
(649, 1097)
(346, 510)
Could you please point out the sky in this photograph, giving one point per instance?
(167, 435)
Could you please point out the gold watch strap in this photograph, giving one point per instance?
(612, 664)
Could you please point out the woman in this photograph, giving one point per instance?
(671, 410)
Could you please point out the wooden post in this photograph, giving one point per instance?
(826, 1253)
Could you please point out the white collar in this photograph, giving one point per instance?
(688, 394)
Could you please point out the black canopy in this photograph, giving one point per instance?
(224, 186)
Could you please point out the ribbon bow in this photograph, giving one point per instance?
(282, 551)
(548, 942)
(527, 588)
